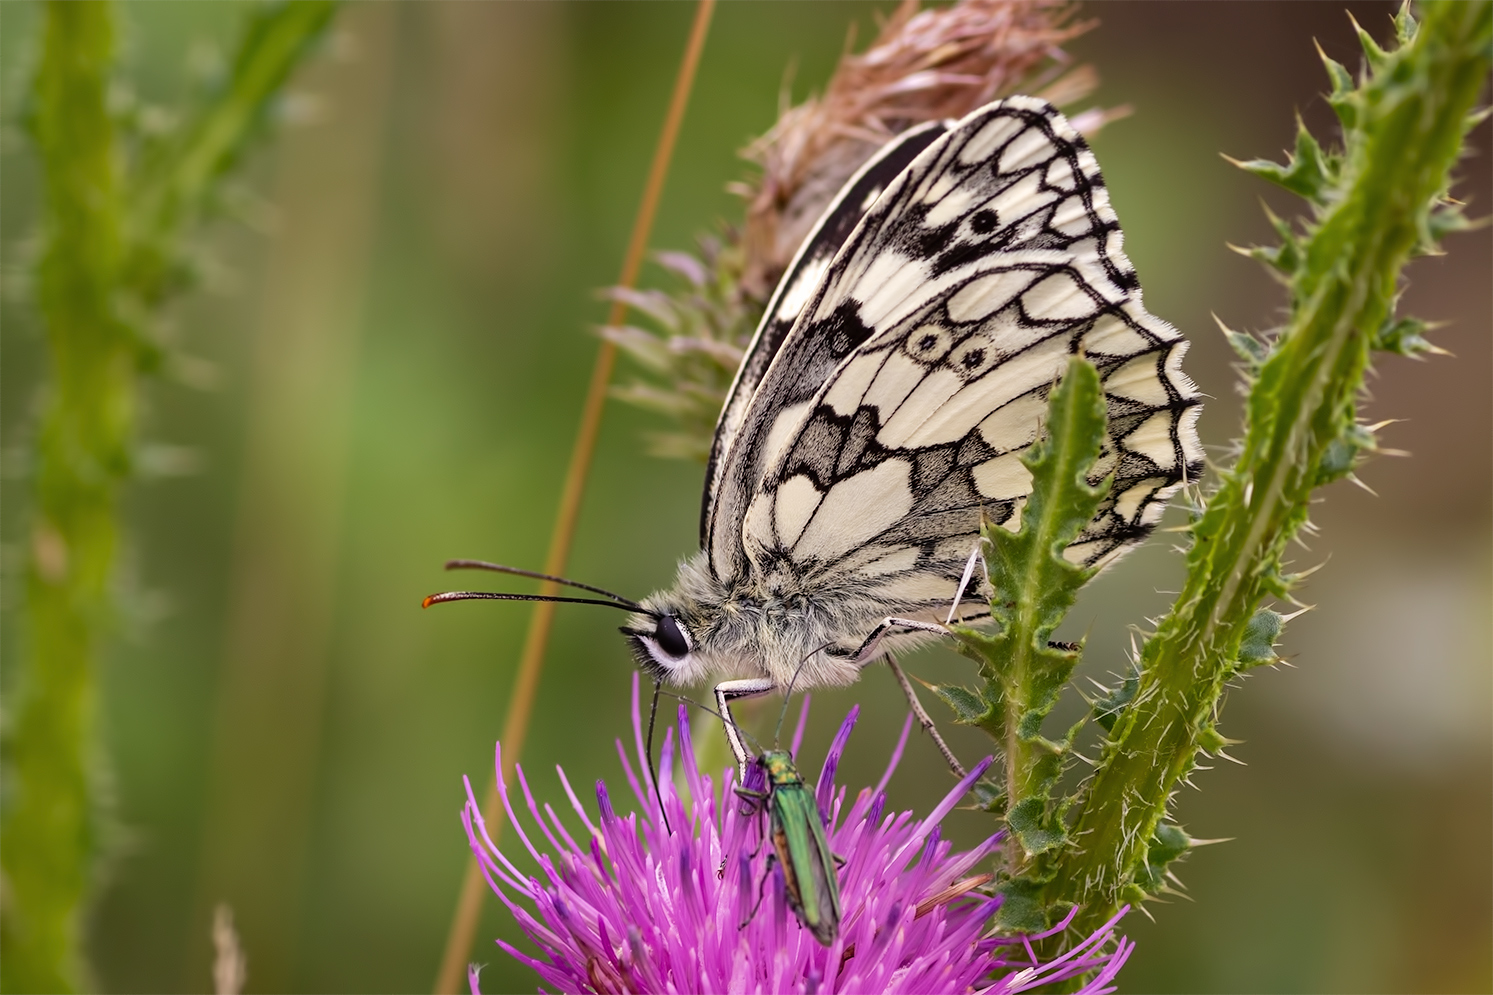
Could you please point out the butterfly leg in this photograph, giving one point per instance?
(976, 556)
(869, 649)
(727, 692)
(924, 720)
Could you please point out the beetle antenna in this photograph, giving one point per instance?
(788, 694)
(652, 770)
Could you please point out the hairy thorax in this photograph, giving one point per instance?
(775, 624)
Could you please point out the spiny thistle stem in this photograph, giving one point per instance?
(97, 303)
(83, 449)
(1403, 129)
(452, 974)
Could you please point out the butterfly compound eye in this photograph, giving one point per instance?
(671, 637)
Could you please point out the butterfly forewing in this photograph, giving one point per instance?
(799, 282)
(894, 412)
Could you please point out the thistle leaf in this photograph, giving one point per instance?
(1109, 707)
(1167, 846)
(1310, 172)
(1036, 833)
(1343, 98)
(1260, 636)
(1405, 336)
(1024, 670)
(969, 708)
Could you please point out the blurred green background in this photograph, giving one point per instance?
(389, 372)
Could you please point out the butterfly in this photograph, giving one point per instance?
(900, 370)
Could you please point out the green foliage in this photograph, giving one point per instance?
(1108, 707)
(1168, 845)
(111, 257)
(1374, 204)
(970, 708)
(178, 175)
(1258, 643)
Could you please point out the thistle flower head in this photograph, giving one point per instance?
(626, 905)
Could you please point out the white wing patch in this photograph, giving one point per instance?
(895, 413)
(1153, 440)
(848, 390)
(856, 510)
(1014, 425)
(899, 376)
(1060, 297)
(1004, 477)
(890, 280)
(1137, 381)
(929, 400)
(989, 138)
(981, 298)
(796, 502)
(785, 427)
(1112, 336)
(1022, 199)
(802, 287)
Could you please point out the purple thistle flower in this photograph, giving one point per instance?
(632, 908)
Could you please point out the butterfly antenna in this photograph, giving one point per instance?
(788, 694)
(500, 568)
(653, 770)
(445, 596)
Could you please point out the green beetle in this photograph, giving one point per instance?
(800, 846)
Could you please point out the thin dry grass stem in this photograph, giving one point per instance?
(230, 966)
(526, 682)
(924, 65)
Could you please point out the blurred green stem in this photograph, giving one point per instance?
(83, 456)
(109, 239)
(1400, 149)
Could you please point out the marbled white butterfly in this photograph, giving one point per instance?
(901, 369)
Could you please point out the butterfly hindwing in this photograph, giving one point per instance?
(895, 410)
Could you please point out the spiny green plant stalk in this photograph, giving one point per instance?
(1376, 203)
(83, 450)
(1024, 672)
(110, 258)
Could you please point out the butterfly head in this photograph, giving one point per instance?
(684, 634)
(664, 638)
